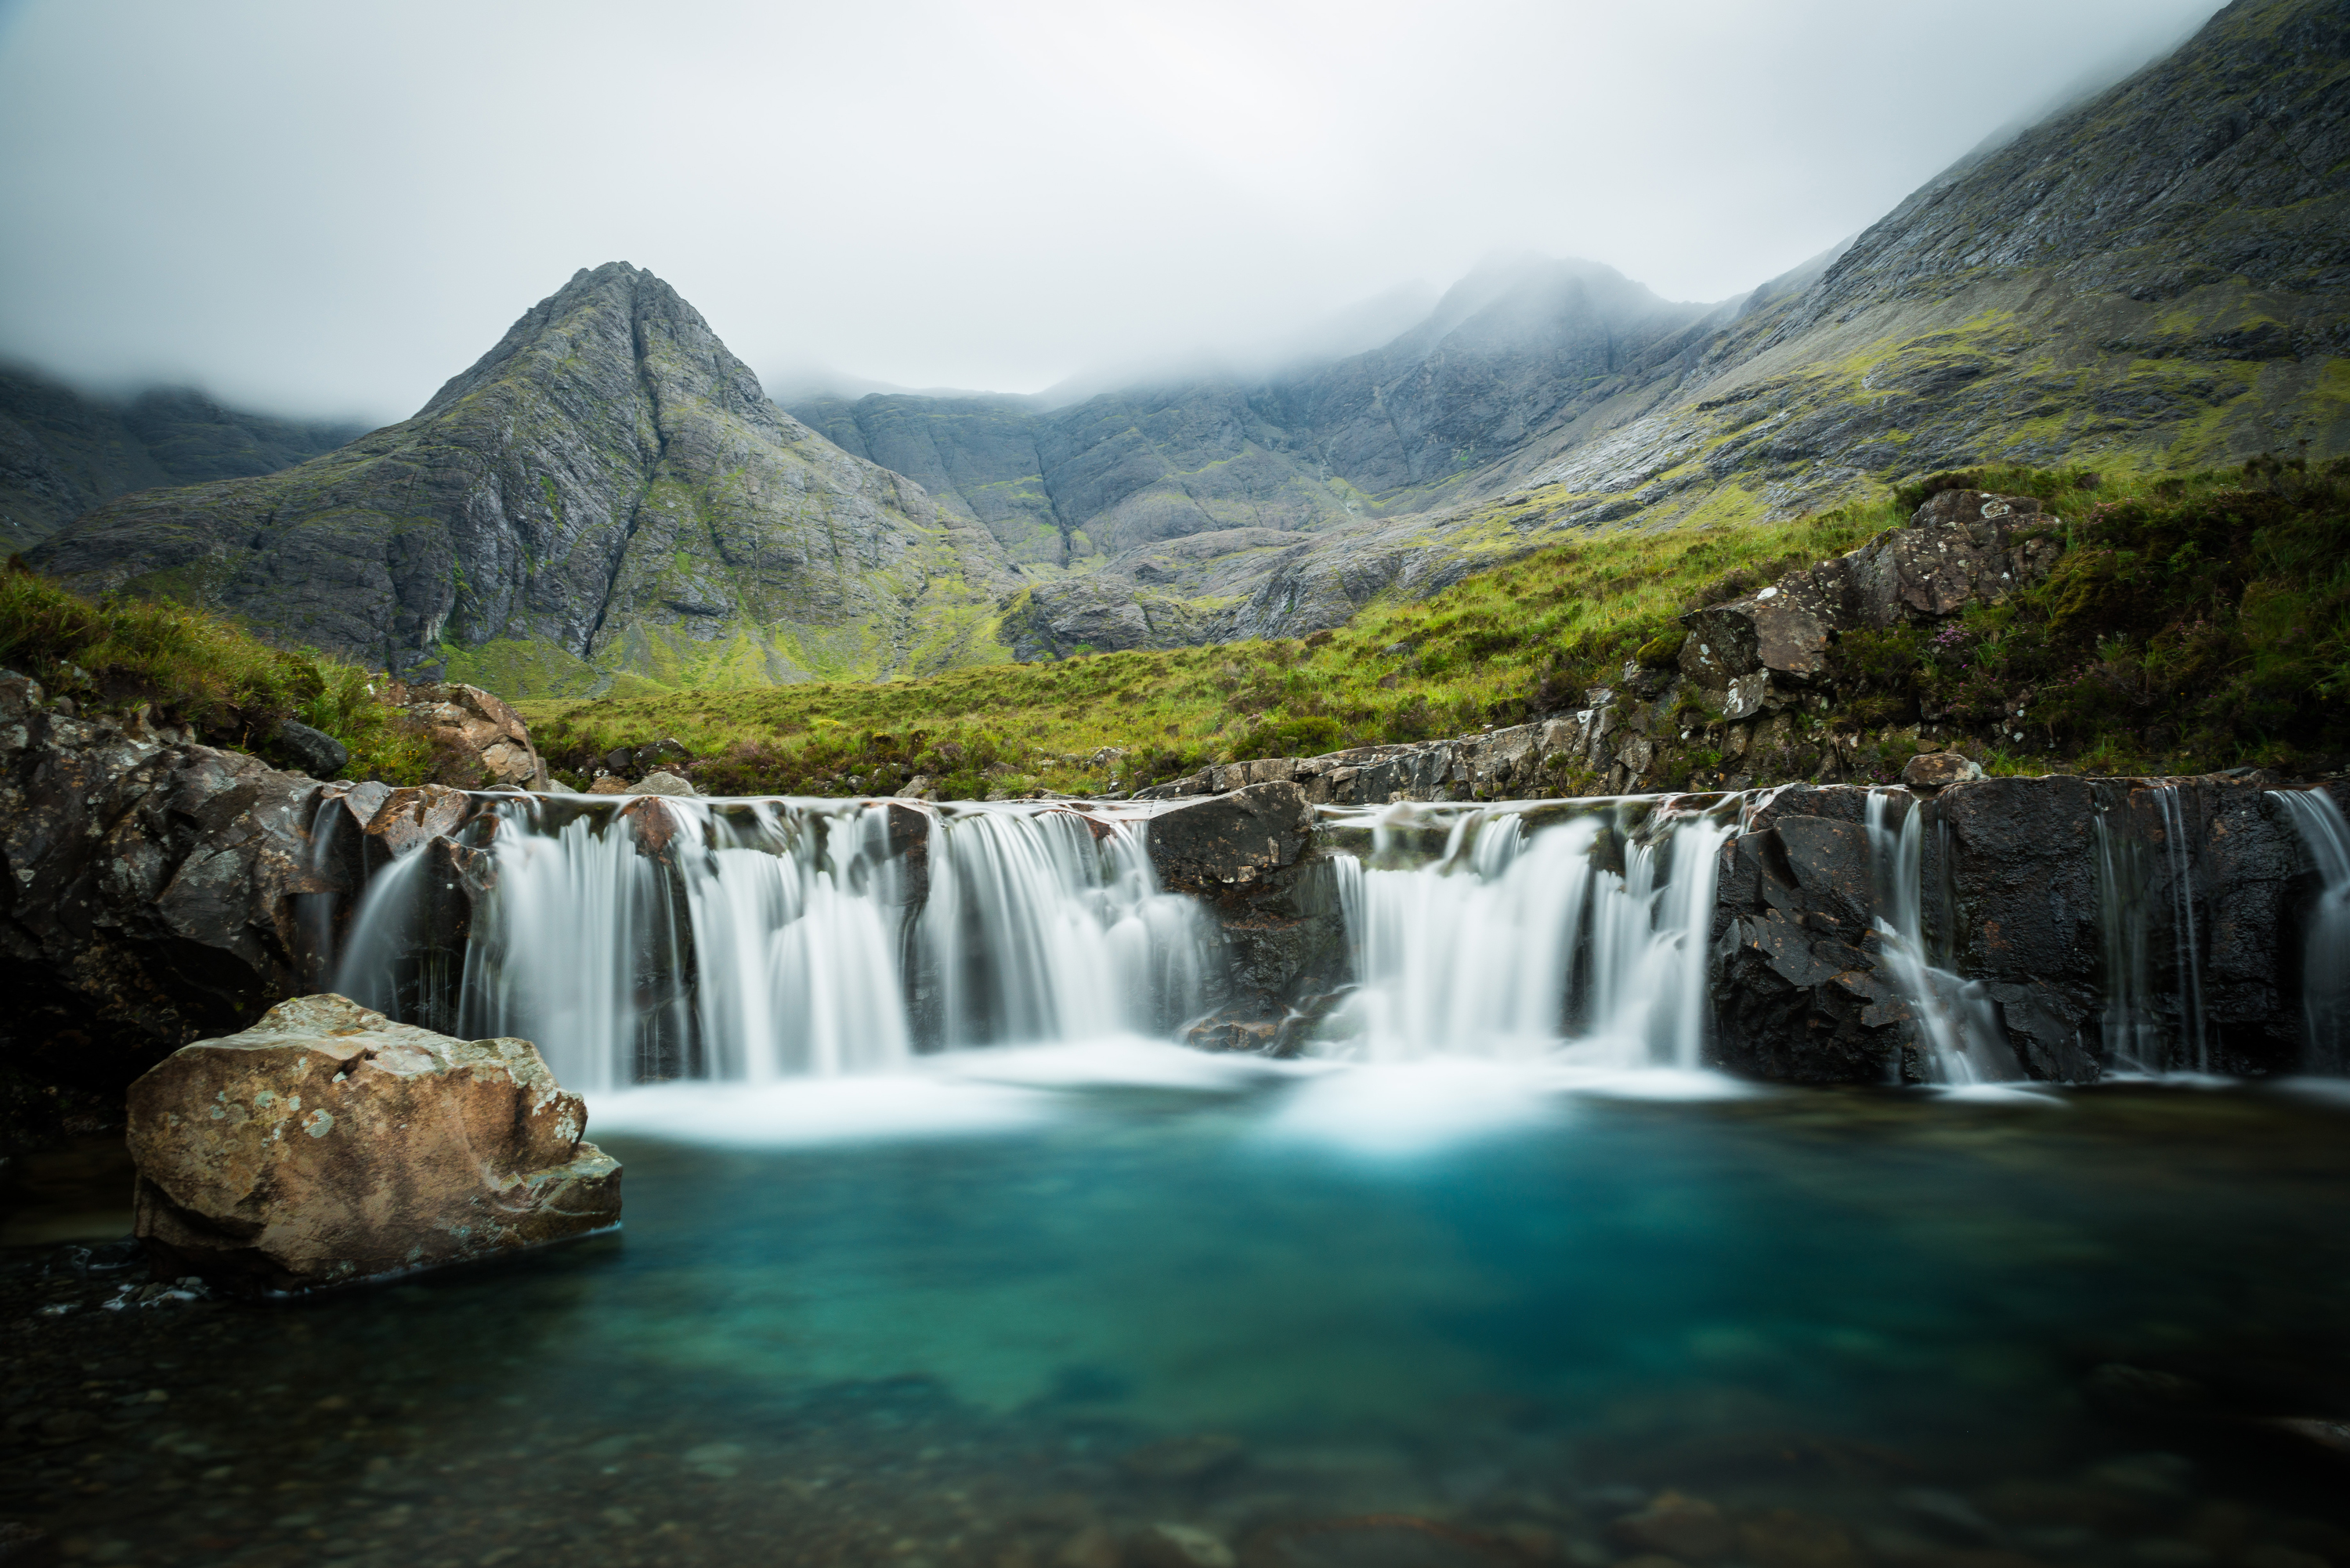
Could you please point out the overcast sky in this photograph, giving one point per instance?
(331, 209)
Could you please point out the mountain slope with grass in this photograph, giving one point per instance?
(2195, 621)
(63, 452)
(606, 497)
(2159, 277)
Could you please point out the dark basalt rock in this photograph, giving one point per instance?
(1232, 841)
(148, 892)
(1247, 854)
(2010, 873)
(320, 754)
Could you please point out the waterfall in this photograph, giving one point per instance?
(2325, 952)
(1957, 1023)
(2131, 1028)
(2142, 1028)
(2187, 950)
(746, 941)
(1517, 944)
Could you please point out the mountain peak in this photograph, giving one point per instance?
(606, 492)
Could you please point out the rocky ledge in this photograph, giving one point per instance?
(154, 890)
(1745, 695)
(327, 1145)
(2010, 910)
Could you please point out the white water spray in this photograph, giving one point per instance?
(2325, 952)
(1957, 1021)
(1514, 945)
(773, 940)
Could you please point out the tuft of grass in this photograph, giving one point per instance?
(188, 667)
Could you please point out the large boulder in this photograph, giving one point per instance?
(1232, 841)
(327, 1145)
(482, 742)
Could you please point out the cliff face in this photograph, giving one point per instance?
(62, 452)
(2160, 276)
(605, 493)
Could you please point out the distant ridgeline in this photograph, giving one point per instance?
(608, 504)
(62, 452)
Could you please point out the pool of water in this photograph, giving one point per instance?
(1023, 1308)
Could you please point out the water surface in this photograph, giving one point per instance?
(1014, 1308)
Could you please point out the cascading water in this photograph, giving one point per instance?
(2143, 1027)
(1956, 1023)
(1518, 944)
(2187, 949)
(2132, 1030)
(759, 940)
(2326, 954)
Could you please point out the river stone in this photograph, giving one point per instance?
(316, 751)
(328, 1145)
(1177, 1546)
(663, 784)
(1686, 1529)
(1937, 770)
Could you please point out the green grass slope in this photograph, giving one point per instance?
(2194, 620)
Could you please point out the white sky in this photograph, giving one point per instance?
(332, 209)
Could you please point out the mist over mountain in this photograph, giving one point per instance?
(2157, 275)
(63, 452)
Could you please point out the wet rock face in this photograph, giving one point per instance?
(146, 891)
(1247, 856)
(1798, 993)
(328, 1145)
(2014, 875)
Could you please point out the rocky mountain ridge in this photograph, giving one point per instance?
(2158, 277)
(63, 452)
(605, 493)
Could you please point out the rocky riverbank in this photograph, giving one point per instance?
(1750, 692)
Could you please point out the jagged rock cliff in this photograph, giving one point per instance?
(63, 453)
(607, 492)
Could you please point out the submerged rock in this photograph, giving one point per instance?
(327, 1145)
